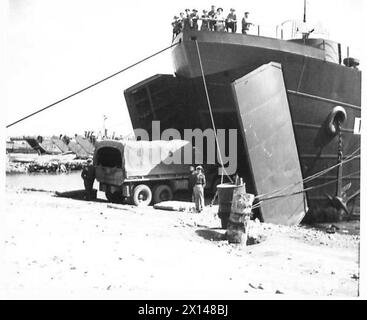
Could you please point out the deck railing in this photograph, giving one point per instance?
(289, 29)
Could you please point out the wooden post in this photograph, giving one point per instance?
(240, 215)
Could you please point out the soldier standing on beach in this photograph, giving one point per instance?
(88, 176)
(192, 181)
(199, 186)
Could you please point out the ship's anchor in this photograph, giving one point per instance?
(336, 117)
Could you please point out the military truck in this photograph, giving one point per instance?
(144, 172)
(140, 172)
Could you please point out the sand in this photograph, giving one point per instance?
(57, 248)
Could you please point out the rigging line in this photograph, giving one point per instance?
(211, 115)
(257, 205)
(306, 180)
(310, 178)
(309, 188)
(92, 85)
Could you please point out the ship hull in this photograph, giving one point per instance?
(315, 84)
(315, 81)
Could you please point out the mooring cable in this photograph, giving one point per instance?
(310, 178)
(92, 85)
(211, 115)
(302, 191)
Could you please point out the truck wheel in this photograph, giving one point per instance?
(114, 197)
(142, 195)
(161, 193)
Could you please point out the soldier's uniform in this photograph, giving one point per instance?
(194, 19)
(204, 21)
(211, 15)
(187, 21)
(219, 25)
(231, 22)
(199, 186)
(192, 181)
(88, 175)
(176, 25)
(245, 24)
(181, 21)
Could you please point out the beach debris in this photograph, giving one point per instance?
(180, 206)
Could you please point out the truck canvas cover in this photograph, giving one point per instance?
(118, 161)
(155, 158)
(266, 126)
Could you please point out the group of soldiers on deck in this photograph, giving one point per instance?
(213, 20)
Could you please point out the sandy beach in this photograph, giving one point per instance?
(64, 248)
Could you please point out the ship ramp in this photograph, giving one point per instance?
(78, 150)
(39, 144)
(268, 137)
(60, 144)
(85, 143)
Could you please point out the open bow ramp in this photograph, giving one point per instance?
(266, 126)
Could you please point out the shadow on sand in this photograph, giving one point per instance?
(211, 234)
(78, 195)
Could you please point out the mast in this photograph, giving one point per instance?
(304, 11)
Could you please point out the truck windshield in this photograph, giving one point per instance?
(109, 157)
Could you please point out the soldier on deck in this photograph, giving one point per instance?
(176, 27)
(199, 186)
(187, 21)
(194, 17)
(88, 176)
(211, 15)
(181, 20)
(231, 21)
(219, 25)
(204, 21)
(245, 23)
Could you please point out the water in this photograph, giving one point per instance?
(46, 181)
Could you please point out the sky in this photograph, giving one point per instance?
(56, 47)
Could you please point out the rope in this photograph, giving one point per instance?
(304, 190)
(90, 86)
(211, 115)
(312, 177)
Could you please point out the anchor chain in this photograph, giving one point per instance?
(340, 141)
(340, 158)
